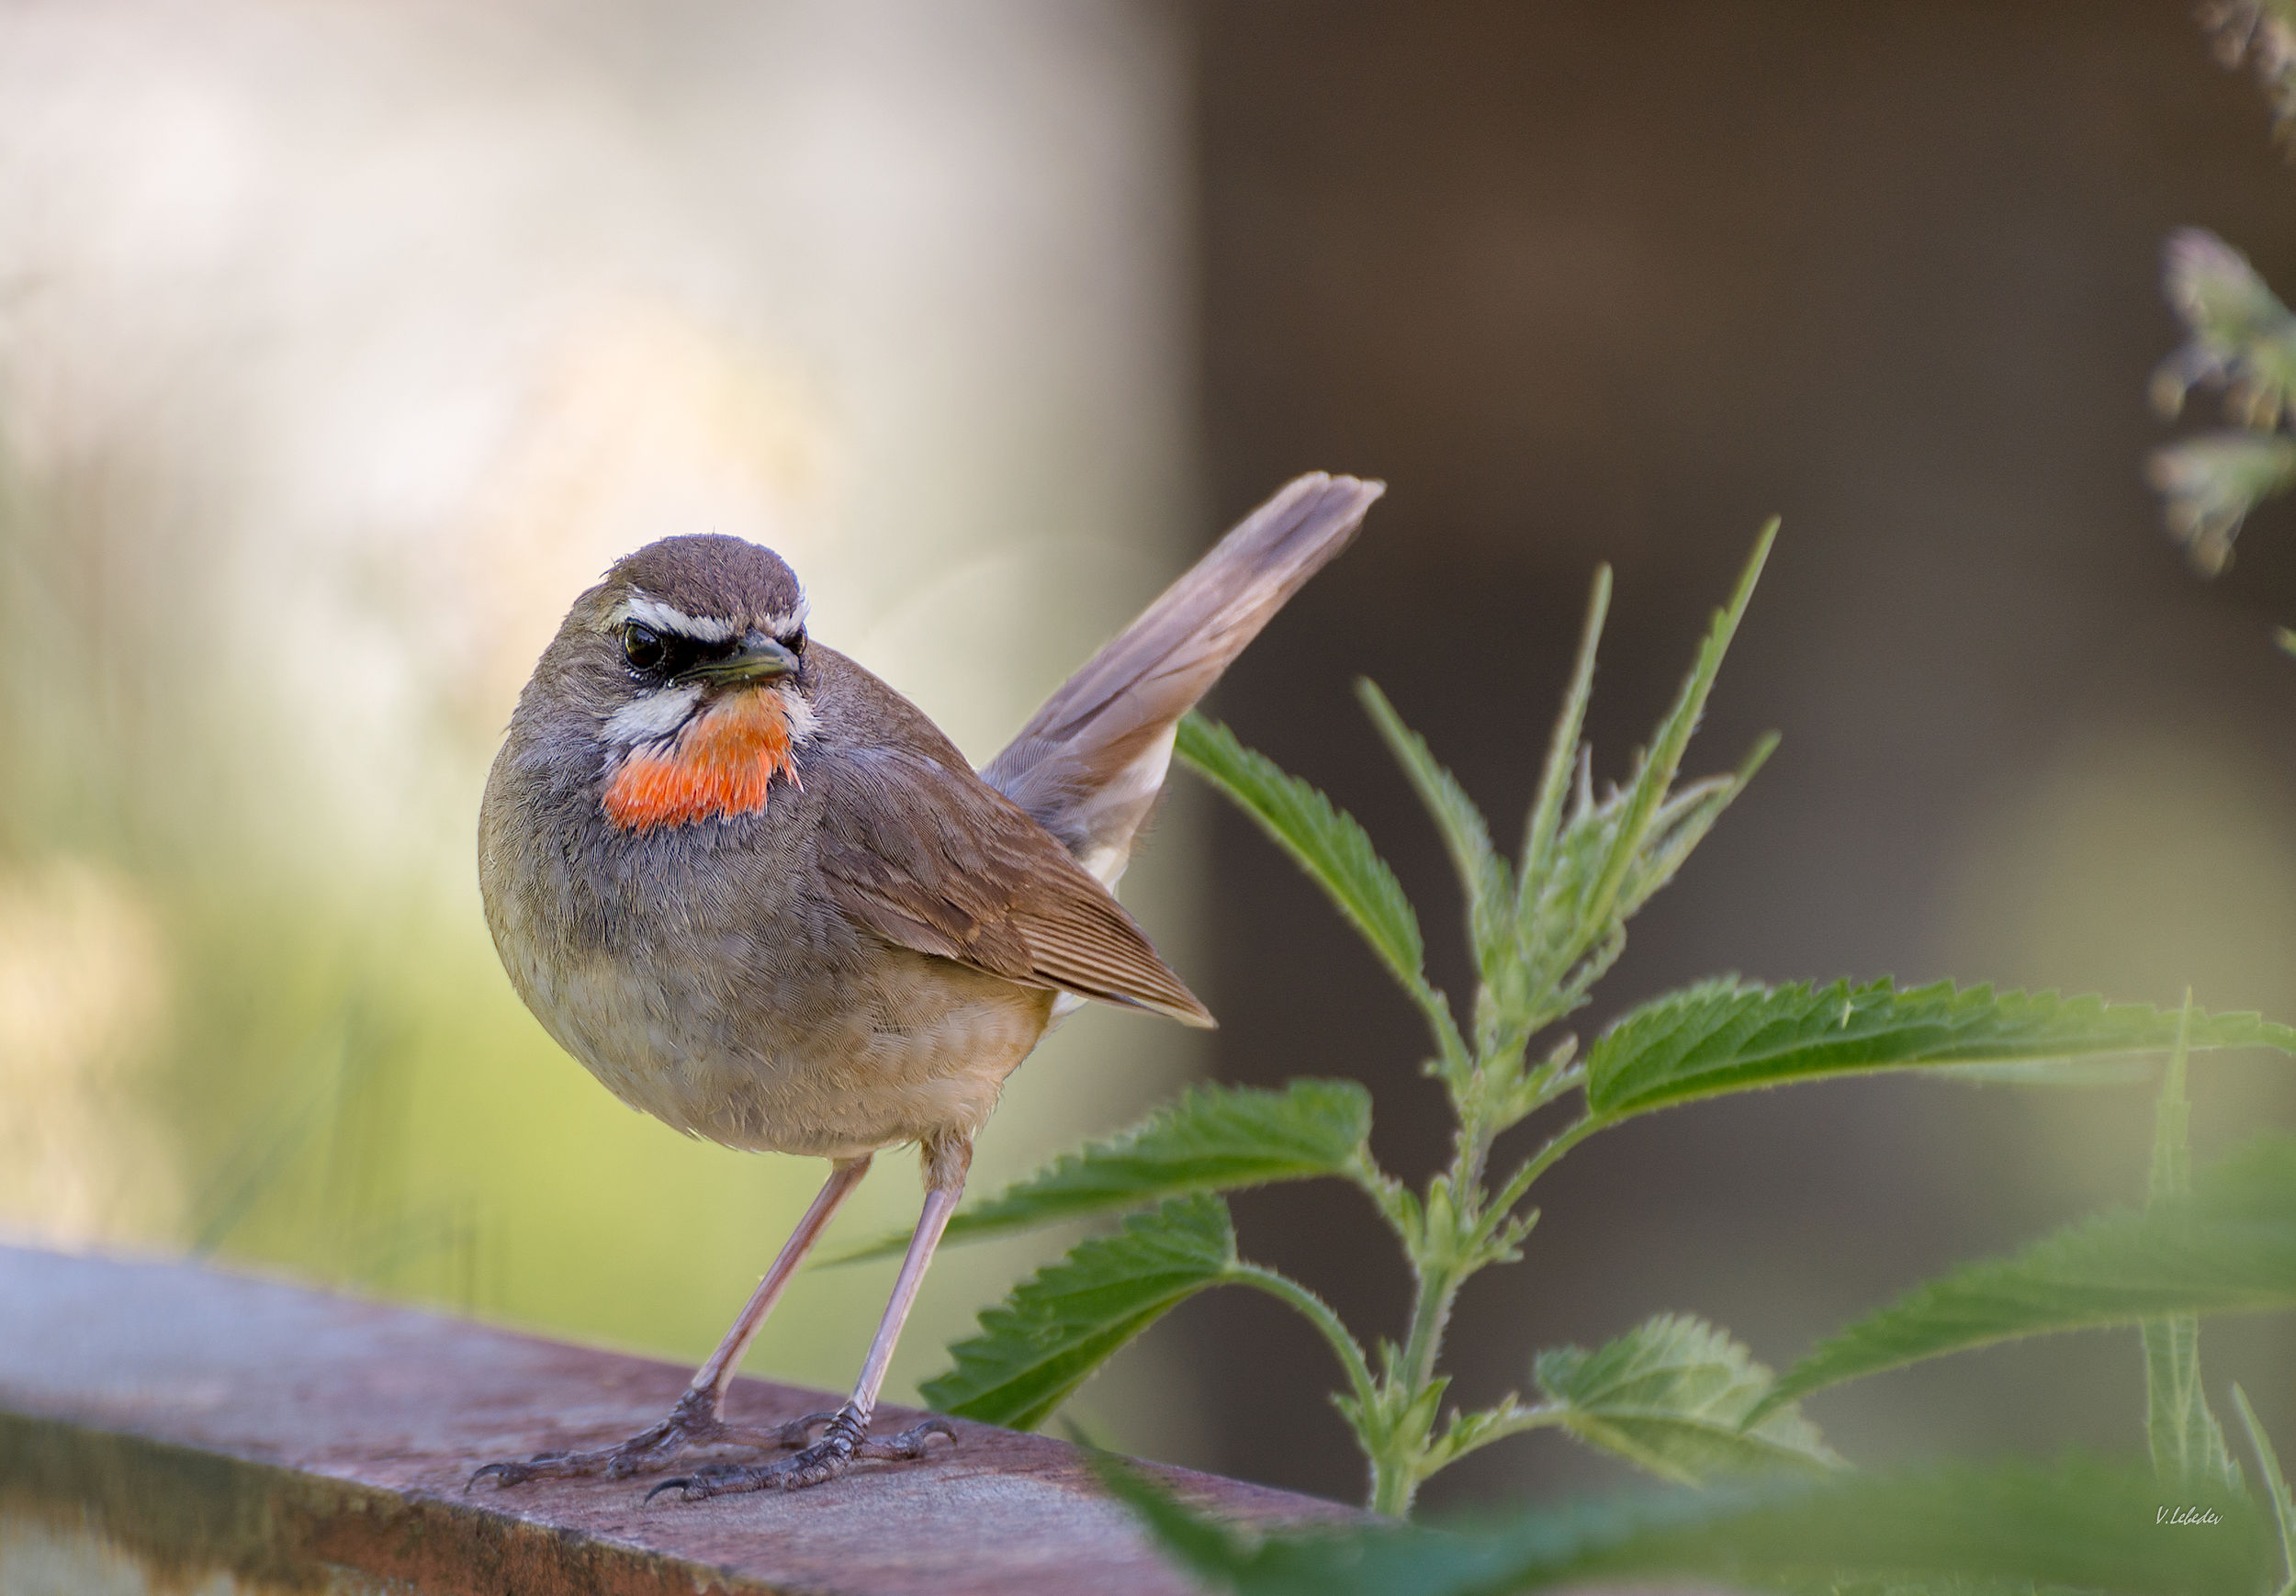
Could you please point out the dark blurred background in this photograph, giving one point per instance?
(364, 335)
(1615, 284)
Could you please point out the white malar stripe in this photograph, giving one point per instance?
(799, 712)
(653, 715)
(648, 611)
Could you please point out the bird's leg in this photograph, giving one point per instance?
(846, 1437)
(699, 1418)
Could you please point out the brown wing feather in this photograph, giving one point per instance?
(926, 856)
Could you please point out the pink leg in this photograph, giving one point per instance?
(699, 1418)
(718, 1373)
(847, 1434)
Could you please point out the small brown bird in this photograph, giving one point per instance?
(760, 896)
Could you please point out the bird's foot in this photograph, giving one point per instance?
(846, 1440)
(694, 1422)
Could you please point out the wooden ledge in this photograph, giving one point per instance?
(168, 1424)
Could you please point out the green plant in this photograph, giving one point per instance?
(1675, 1396)
(2222, 1240)
(1995, 1530)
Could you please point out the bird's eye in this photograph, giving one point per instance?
(641, 646)
(795, 643)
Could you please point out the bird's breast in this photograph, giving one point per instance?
(721, 763)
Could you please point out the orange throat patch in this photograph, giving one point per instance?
(723, 762)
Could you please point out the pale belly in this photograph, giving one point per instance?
(921, 1047)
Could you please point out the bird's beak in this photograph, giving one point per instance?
(759, 658)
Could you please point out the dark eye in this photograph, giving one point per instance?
(796, 644)
(641, 646)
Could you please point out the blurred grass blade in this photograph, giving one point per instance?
(1731, 1036)
(256, 1167)
(1483, 875)
(2186, 1441)
(1060, 1324)
(2228, 1247)
(1213, 1139)
(2275, 1485)
(1670, 1396)
(2171, 1173)
(1324, 841)
(2076, 1524)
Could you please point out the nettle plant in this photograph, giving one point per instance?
(2221, 1240)
(1675, 1396)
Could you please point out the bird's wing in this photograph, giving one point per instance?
(928, 857)
(1089, 764)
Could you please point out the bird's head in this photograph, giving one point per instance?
(687, 662)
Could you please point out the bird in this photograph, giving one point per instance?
(760, 895)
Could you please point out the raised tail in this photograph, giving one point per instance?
(1090, 763)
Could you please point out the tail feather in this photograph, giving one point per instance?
(1089, 764)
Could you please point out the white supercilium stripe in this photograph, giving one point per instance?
(649, 611)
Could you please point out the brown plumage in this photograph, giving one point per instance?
(971, 878)
(762, 897)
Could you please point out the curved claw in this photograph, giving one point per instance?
(510, 1473)
(909, 1443)
(825, 1460)
(798, 1431)
(693, 1423)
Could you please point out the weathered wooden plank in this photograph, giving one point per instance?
(181, 1424)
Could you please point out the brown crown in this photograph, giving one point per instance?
(714, 575)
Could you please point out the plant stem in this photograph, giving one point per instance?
(1562, 1142)
(1319, 1313)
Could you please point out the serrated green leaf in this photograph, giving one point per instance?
(1535, 875)
(1589, 863)
(1213, 1139)
(2228, 1247)
(1324, 841)
(1654, 776)
(1484, 877)
(1060, 1324)
(1670, 1396)
(1731, 1036)
(2077, 1523)
(2184, 1439)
